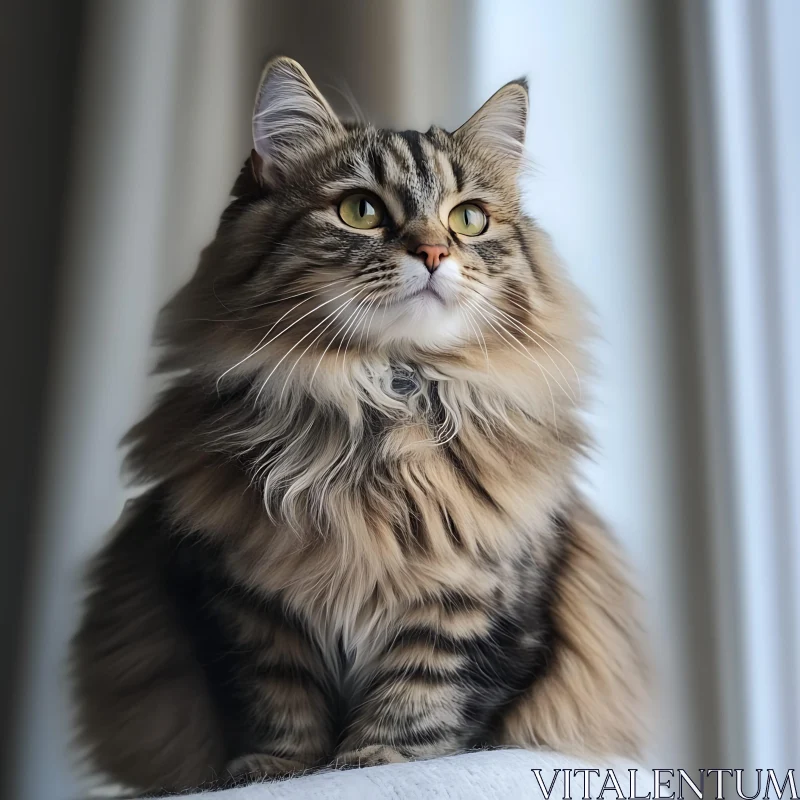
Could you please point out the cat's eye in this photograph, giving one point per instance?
(363, 211)
(467, 219)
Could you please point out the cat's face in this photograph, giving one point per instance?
(403, 235)
(351, 237)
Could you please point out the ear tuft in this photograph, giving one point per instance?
(291, 118)
(498, 126)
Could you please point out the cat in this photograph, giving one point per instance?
(361, 539)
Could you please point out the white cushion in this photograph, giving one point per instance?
(485, 775)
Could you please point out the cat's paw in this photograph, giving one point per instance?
(371, 756)
(261, 766)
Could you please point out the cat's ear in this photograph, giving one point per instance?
(291, 118)
(498, 126)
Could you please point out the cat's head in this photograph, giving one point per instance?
(343, 238)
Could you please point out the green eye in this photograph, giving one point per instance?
(467, 219)
(362, 211)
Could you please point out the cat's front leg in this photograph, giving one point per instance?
(261, 766)
(285, 690)
(370, 756)
(416, 698)
(405, 716)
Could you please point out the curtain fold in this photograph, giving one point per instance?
(745, 173)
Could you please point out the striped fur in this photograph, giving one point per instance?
(364, 541)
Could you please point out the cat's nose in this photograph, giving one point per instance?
(432, 255)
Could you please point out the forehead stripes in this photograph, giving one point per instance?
(422, 161)
(412, 166)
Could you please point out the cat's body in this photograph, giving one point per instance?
(365, 542)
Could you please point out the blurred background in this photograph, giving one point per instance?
(666, 137)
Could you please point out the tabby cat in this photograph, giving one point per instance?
(361, 539)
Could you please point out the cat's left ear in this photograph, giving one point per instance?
(498, 126)
(291, 119)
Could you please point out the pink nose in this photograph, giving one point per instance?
(433, 254)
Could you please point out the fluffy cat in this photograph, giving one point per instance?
(362, 540)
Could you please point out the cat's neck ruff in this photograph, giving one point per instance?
(329, 429)
(495, 386)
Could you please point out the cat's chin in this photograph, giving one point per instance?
(422, 321)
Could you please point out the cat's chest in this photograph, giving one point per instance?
(413, 518)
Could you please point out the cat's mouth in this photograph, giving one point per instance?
(420, 295)
(427, 292)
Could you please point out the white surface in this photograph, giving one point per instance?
(492, 775)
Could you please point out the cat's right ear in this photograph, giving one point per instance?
(291, 119)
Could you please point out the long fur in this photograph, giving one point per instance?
(365, 542)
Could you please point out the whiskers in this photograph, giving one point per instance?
(236, 315)
(499, 315)
(333, 316)
(362, 300)
(265, 341)
(475, 327)
(499, 321)
(306, 335)
(541, 338)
